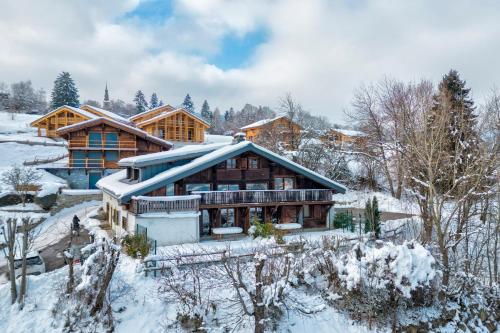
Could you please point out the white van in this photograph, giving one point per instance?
(34, 264)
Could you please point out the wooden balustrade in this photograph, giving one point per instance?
(263, 196)
(84, 143)
(169, 205)
(86, 163)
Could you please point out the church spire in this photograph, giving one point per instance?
(106, 105)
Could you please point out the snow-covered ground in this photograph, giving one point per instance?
(20, 123)
(386, 203)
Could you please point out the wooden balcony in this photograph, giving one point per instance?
(86, 163)
(264, 197)
(229, 174)
(257, 174)
(171, 204)
(83, 143)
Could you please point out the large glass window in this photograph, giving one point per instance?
(231, 163)
(256, 186)
(78, 160)
(197, 187)
(111, 140)
(111, 155)
(228, 187)
(256, 215)
(95, 139)
(283, 183)
(170, 189)
(307, 211)
(94, 159)
(227, 217)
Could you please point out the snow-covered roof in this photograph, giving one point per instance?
(262, 122)
(76, 110)
(349, 132)
(185, 152)
(170, 113)
(105, 112)
(166, 107)
(114, 185)
(114, 123)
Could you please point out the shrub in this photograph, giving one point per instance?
(264, 230)
(136, 244)
(343, 220)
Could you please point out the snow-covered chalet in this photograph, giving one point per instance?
(198, 192)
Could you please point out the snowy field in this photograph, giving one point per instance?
(386, 203)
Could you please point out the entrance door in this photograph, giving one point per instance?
(94, 176)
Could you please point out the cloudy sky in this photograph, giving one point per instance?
(237, 51)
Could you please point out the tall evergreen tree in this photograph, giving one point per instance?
(372, 217)
(160, 103)
(188, 104)
(140, 102)
(206, 113)
(454, 104)
(153, 103)
(65, 92)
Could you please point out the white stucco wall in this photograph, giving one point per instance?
(166, 229)
(171, 229)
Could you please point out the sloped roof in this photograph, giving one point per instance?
(351, 133)
(113, 184)
(116, 124)
(264, 122)
(185, 152)
(106, 113)
(167, 107)
(170, 113)
(81, 112)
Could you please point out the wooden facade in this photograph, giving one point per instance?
(48, 124)
(176, 125)
(143, 116)
(341, 138)
(250, 188)
(101, 143)
(281, 126)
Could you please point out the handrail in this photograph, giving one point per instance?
(263, 196)
(86, 163)
(141, 206)
(84, 143)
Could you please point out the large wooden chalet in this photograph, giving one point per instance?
(96, 145)
(172, 124)
(225, 188)
(280, 126)
(48, 124)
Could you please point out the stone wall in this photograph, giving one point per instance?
(70, 200)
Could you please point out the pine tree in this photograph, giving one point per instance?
(160, 103)
(372, 217)
(217, 126)
(454, 104)
(153, 103)
(140, 102)
(65, 92)
(206, 113)
(188, 104)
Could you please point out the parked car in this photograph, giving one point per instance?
(34, 264)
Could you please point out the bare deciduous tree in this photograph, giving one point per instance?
(22, 179)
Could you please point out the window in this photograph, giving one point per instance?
(307, 212)
(111, 155)
(227, 218)
(95, 139)
(135, 174)
(197, 187)
(283, 183)
(124, 223)
(94, 159)
(111, 140)
(256, 186)
(78, 160)
(256, 215)
(231, 163)
(170, 189)
(253, 163)
(228, 187)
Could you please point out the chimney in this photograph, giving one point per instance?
(239, 137)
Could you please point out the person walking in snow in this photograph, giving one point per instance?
(76, 225)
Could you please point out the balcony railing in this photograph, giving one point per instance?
(86, 163)
(101, 144)
(170, 204)
(263, 196)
